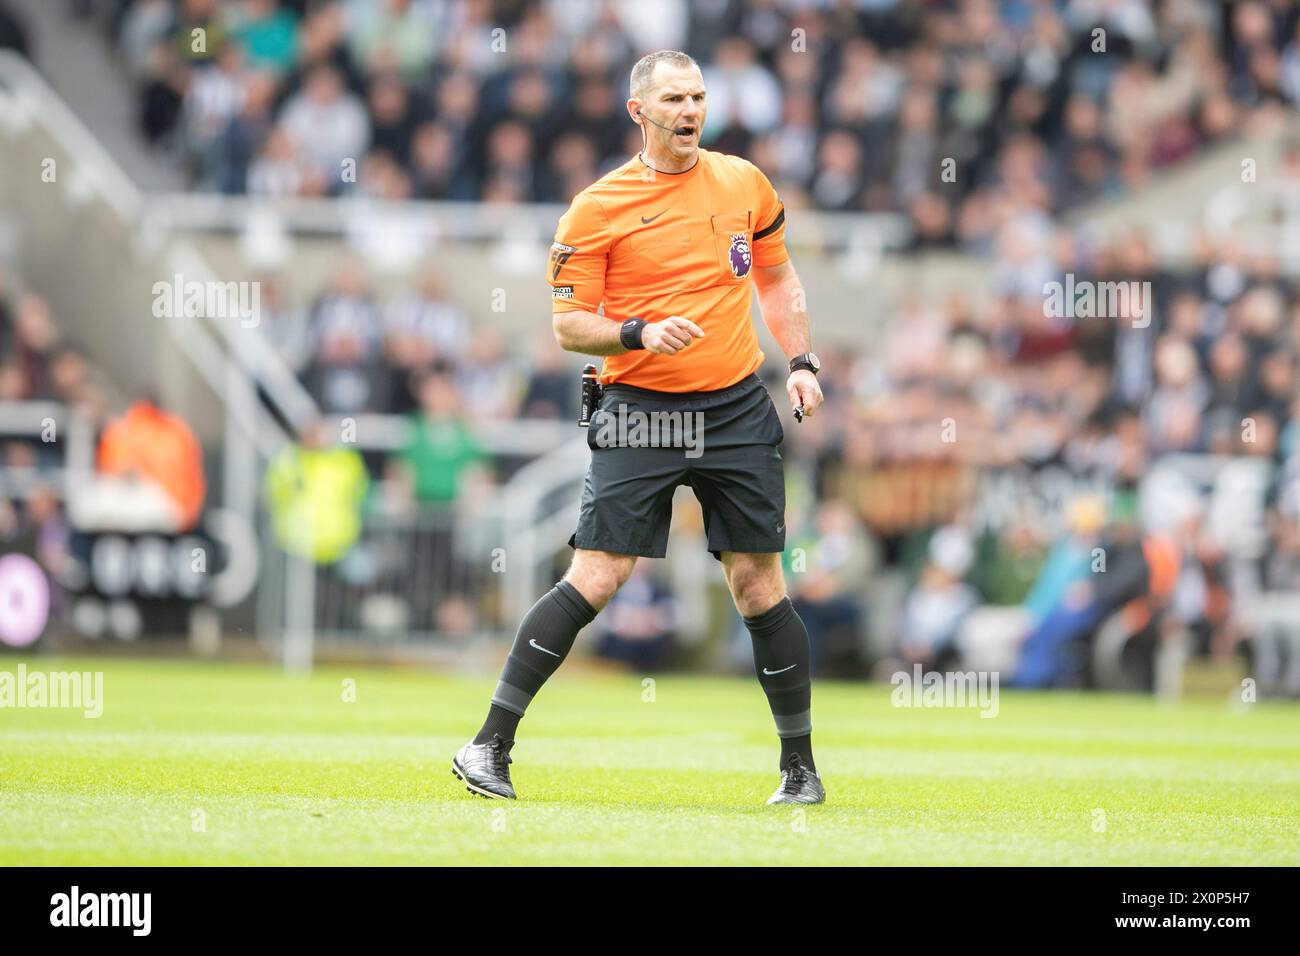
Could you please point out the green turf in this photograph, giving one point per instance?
(283, 771)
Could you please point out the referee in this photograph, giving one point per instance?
(667, 244)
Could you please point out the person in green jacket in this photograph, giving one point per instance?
(441, 452)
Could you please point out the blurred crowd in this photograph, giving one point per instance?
(36, 365)
(147, 464)
(1174, 429)
(1197, 373)
(1177, 424)
(359, 352)
(971, 468)
(848, 106)
(36, 362)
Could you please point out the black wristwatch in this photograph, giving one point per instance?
(630, 334)
(808, 360)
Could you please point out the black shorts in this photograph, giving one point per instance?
(723, 444)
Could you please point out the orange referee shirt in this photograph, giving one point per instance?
(652, 244)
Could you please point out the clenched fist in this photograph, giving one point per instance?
(670, 336)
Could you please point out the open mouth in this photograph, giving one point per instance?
(689, 132)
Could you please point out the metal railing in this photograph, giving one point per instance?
(412, 581)
(430, 578)
(477, 221)
(92, 210)
(53, 424)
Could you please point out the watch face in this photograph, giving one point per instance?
(816, 362)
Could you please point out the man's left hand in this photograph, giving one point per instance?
(803, 390)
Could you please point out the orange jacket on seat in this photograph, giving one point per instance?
(159, 447)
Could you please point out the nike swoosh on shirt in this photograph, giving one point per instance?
(646, 222)
(781, 671)
(533, 643)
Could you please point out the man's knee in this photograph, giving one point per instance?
(599, 574)
(756, 581)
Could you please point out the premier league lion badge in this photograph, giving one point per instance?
(740, 255)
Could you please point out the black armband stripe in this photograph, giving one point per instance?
(776, 224)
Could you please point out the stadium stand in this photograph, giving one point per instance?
(948, 503)
(856, 114)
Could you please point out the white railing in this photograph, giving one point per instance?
(405, 565)
(26, 99)
(475, 221)
(49, 423)
(533, 533)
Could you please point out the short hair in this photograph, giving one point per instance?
(645, 68)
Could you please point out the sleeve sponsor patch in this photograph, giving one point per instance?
(559, 256)
(561, 292)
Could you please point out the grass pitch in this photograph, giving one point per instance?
(202, 763)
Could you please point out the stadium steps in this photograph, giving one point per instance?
(94, 88)
(1208, 191)
(83, 238)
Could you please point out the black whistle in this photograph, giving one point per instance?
(590, 394)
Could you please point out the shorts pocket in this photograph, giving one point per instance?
(774, 420)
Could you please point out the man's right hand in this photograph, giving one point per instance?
(671, 335)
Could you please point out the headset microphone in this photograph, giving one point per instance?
(680, 130)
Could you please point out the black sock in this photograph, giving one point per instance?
(545, 636)
(499, 721)
(782, 657)
(802, 746)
